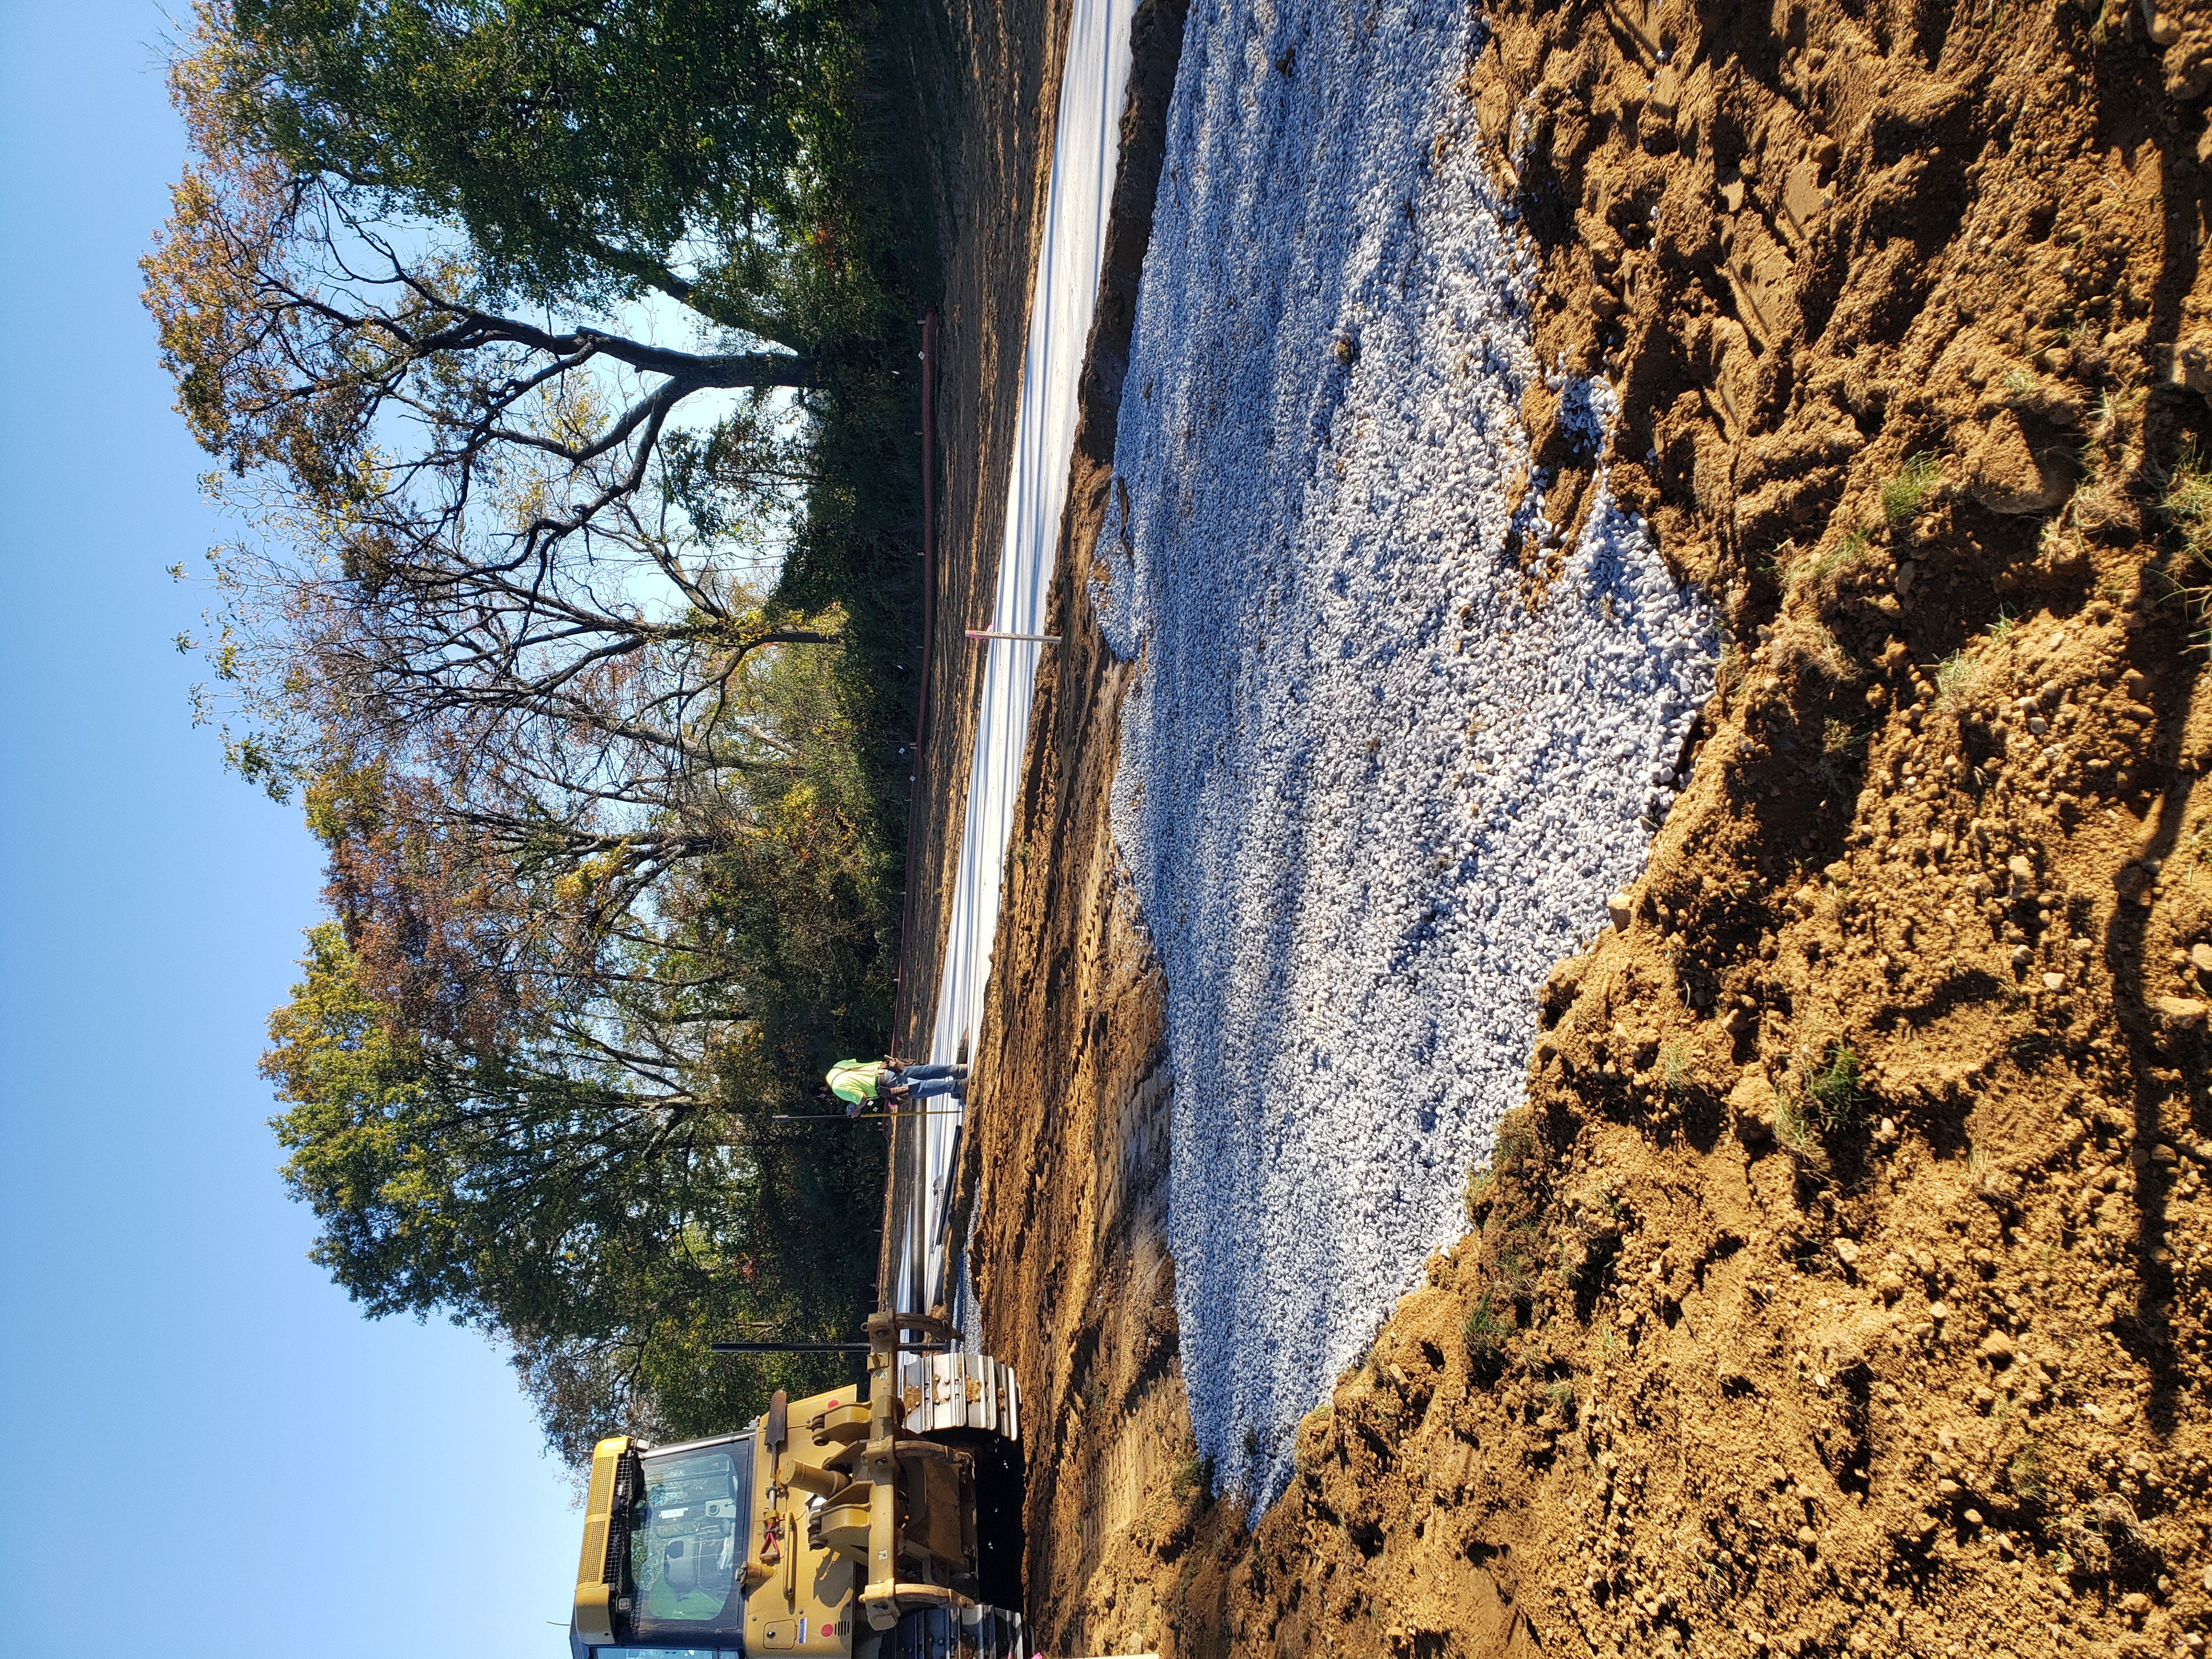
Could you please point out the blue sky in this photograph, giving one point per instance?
(210, 1452)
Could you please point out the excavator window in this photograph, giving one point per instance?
(688, 1544)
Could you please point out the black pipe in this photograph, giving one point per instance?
(821, 1347)
(857, 1117)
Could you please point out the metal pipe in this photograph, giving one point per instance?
(820, 1347)
(856, 1117)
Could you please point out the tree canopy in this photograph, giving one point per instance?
(587, 148)
(544, 354)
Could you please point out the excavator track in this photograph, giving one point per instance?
(940, 1391)
(979, 1632)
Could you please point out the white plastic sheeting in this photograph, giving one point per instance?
(1085, 157)
(1373, 781)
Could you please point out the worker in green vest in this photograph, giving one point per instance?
(861, 1084)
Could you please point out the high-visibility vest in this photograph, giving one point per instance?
(855, 1080)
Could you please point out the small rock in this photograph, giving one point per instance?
(2021, 956)
(1938, 1312)
(2184, 1011)
(1622, 909)
(1807, 1538)
(1890, 1286)
(1847, 1252)
(1998, 1347)
(2054, 982)
(1973, 1517)
(1947, 1487)
(2134, 1604)
(2201, 955)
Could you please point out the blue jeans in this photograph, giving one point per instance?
(923, 1082)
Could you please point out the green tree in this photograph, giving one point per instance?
(582, 145)
(607, 1232)
(539, 607)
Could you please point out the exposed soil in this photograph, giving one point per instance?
(1843, 1286)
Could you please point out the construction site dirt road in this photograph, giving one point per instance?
(1838, 1283)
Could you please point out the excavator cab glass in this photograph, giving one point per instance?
(687, 1545)
(682, 1589)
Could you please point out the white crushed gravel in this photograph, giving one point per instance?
(1368, 794)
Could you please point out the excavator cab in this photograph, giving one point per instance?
(837, 1527)
(664, 1545)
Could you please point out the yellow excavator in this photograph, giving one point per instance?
(882, 1527)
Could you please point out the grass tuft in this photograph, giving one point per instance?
(1560, 1394)
(1515, 1275)
(1904, 495)
(2186, 500)
(1486, 1331)
(1194, 1473)
(1825, 568)
(1833, 1093)
(1956, 678)
(1793, 1127)
(1479, 1180)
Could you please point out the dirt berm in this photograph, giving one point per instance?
(1842, 1288)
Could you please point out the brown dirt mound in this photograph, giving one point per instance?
(1843, 1287)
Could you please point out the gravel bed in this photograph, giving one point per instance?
(1369, 789)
